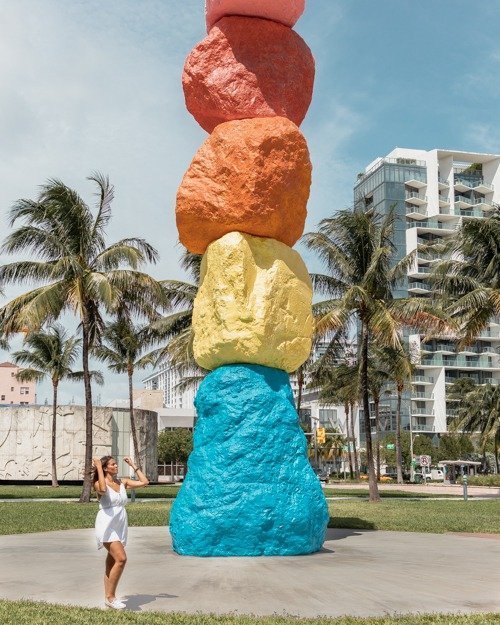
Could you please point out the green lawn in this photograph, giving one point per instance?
(30, 613)
(169, 492)
(73, 492)
(435, 516)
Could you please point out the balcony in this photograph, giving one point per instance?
(431, 225)
(420, 270)
(416, 182)
(464, 184)
(421, 395)
(444, 200)
(460, 362)
(462, 201)
(419, 287)
(483, 187)
(418, 427)
(443, 184)
(414, 197)
(471, 213)
(483, 204)
(417, 212)
(421, 410)
(422, 379)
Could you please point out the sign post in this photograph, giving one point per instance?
(424, 461)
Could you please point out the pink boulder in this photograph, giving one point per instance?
(285, 12)
(248, 67)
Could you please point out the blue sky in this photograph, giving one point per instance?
(88, 85)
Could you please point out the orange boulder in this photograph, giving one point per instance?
(250, 176)
(248, 67)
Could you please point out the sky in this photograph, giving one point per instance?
(90, 85)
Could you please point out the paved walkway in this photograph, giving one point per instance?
(360, 573)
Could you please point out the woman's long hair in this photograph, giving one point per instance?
(104, 462)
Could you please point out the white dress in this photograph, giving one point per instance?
(111, 523)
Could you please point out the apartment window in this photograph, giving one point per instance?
(3, 398)
(25, 390)
(328, 417)
(24, 403)
(11, 388)
(12, 374)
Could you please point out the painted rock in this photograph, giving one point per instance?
(253, 305)
(251, 176)
(248, 67)
(249, 489)
(286, 12)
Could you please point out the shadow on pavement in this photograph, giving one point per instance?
(348, 525)
(135, 602)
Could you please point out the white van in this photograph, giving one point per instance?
(437, 475)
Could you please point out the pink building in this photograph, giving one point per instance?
(11, 390)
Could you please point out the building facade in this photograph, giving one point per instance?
(13, 392)
(432, 192)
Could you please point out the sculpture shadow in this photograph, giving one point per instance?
(346, 526)
(135, 602)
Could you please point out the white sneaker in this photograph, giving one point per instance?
(116, 604)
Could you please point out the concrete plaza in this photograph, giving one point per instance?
(358, 572)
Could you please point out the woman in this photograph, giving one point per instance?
(111, 524)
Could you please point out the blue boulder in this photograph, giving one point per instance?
(250, 489)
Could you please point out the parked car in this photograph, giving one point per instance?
(323, 476)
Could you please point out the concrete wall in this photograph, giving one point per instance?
(25, 441)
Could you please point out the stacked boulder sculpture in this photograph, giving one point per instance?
(250, 489)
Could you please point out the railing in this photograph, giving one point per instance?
(444, 198)
(429, 223)
(466, 182)
(423, 379)
(421, 395)
(423, 428)
(415, 208)
(419, 285)
(458, 361)
(452, 379)
(415, 194)
(405, 162)
(443, 181)
(464, 199)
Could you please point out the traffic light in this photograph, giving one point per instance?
(321, 435)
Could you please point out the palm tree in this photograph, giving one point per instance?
(50, 354)
(377, 380)
(68, 257)
(123, 350)
(176, 328)
(479, 411)
(470, 280)
(400, 370)
(358, 251)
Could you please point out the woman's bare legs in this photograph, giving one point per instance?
(109, 565)
(116, 559)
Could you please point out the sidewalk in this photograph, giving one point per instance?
(359, 573)
(434, 489)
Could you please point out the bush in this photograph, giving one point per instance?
(481, 480)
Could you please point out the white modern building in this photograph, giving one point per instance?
(433, 192)
(177, 407)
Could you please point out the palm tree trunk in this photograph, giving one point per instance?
(132, 417)
(497, 437)
(377, 426)
(348, 432)
(354, 446)
(54, 432)
(399, 453)
(300, 384)
(372, 478)
(87, 478)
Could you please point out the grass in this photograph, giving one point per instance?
(73, 492)
(434, 516)
(31, 613)
(166, 491)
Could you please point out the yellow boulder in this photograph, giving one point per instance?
(253, 305)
